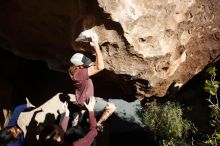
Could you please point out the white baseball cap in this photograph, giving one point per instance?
(79, 59)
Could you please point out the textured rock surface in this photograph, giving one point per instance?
(148, 46)
(52, 110)
(48, 111)
(170, 40)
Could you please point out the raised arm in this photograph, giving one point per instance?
(15, 115)
(90, 136)
(99, 63)
(17, 112)
(66, 118)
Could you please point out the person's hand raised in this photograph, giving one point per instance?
(90, 106)
(66, 110)
(95, 40)
(29, 104)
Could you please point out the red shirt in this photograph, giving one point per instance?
(83, 84)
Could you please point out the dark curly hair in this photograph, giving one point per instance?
(48, 133)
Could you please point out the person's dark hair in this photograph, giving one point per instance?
(5, 136)
(48, 133)
(50, 142)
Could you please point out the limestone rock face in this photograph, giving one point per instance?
(148, 46)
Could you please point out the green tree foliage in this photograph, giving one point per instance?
(211, 86)
(166, 121)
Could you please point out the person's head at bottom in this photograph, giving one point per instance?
(51, 135)
(9, 134)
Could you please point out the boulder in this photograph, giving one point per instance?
(148, 46)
